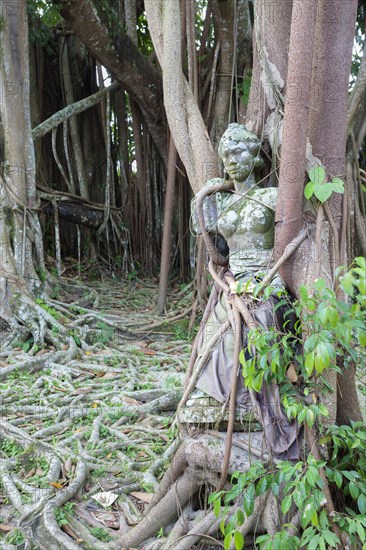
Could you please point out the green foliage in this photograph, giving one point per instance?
(61, 514)
(43, 17)
(51, 310)
(301, 488)
(15, 537)
(335, 329)
(101, 534)
(328, 330)
(11, 448)
(321, 189)
(244, 88)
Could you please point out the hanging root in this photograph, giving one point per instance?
(167, 509)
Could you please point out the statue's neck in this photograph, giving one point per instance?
(246, 185)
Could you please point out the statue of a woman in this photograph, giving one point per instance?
(245, 219)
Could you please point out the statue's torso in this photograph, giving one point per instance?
(247, 223)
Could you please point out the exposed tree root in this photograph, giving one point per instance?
(87, 414)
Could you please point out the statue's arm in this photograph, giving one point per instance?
(211, 210)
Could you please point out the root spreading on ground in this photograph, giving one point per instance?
(87, 425)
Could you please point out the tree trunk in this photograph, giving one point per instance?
(167, 228)
(124, 61)
(224, 14)
(289, 211)
(185, 120)
(19, 186)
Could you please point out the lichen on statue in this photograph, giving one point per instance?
(245, 218)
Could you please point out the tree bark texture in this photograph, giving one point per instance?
(289, 211)
(167, 228)
(185, 120)
(18, 158)
(271, 34)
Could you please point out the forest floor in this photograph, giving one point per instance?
(85, 441)
(88, 440)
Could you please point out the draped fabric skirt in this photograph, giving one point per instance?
(282, 436)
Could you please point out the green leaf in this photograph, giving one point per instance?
(262, 486)
(362, 338)
(361, 262)
(257, 382)
(298, 498)
(307, 535)
(303, 292)
(338, 185)
(314, 519)
(240, 517)
(249, 500)
(312, 475)
(309, 363)
(309, 189)
(330, 538)
(317, 174)
(286, 504)
(262, 538)
(333, 316)
(361, 532)
(353, 489)
(313, 544)
(346, 283)
(323, 315)
(227, 541)
(307, 514)
(319, 363)
(239, 540)
(338, 479)
(310, 418)
(361, 503)
(217, 507)
(323, 192)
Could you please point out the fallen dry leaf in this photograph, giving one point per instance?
(67, 529)
(291, 374)
(4, 527)
(149, 352)
(30, 473)
(145, 497)
(105, 498)
(42, 352)
(109, 375)
(108, 519)
(68, 464)
(56, 485)
(130, 400)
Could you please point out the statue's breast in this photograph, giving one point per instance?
(252, 214)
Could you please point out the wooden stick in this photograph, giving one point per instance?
(289, 250)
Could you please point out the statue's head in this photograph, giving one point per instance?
(239, 150)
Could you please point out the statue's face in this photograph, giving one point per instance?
(238, 160)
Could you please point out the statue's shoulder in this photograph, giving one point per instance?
(267, 196)
(214, 181)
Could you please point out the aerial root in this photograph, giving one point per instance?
(166, 510)
(49, 520)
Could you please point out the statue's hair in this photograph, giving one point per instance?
(237, 133)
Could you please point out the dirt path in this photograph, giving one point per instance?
(93, 431)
